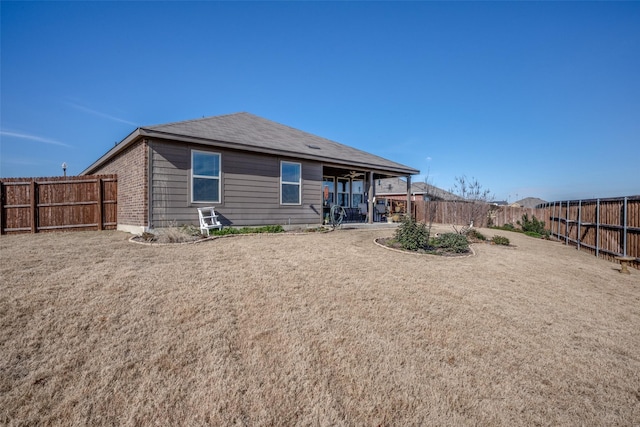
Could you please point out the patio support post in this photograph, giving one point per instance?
(409, 196)
(370, 198)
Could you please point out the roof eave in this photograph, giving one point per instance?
(142, 132)
(236, 145)
(132, 137)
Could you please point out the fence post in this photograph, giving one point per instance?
(34, 206)
(624, 228)
(559, 221)
(552, 218)
(597, 227)
(579, 222)
(566, 226)
(2, 215)
(100, 184)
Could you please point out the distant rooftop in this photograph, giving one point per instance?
(398, 186)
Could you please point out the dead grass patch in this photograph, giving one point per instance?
(320, 329)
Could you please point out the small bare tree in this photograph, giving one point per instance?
(472, 192)
(430, 203)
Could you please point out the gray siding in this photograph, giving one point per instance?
(250, 188)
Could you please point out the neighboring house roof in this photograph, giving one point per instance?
(530, 202)
(248, 132)
(395, 186)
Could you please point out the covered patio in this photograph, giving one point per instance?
(351, 194)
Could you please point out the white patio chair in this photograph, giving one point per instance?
(208, 219)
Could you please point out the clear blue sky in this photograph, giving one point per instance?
(537, 99)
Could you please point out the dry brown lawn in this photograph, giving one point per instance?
(316, 329)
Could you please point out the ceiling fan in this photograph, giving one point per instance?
(354, 174)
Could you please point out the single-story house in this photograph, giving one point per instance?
(254, 171)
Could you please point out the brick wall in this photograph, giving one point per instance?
(131, 166)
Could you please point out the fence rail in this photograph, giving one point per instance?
(608, 228)
(31, 205)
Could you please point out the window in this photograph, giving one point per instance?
(328, 191)
(205, 177)
(290, 183)
(343, 192)
(357, 193)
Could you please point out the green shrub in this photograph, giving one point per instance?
(500, 240)
(248, 230)
(532, 225)
(412, 235)
(533, 234)
(224, 231)
(267, 229)
(475, 235)
(451, 242)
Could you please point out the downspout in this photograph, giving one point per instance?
(371, 197)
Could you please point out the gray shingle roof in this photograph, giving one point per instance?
(250, 132)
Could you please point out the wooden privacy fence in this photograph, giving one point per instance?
(455, 213)
(58, 203)
(462, 212)
(606, 227)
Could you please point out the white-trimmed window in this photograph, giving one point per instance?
(343, 192)
(357, 192)
(290, 183)
(205, 177)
